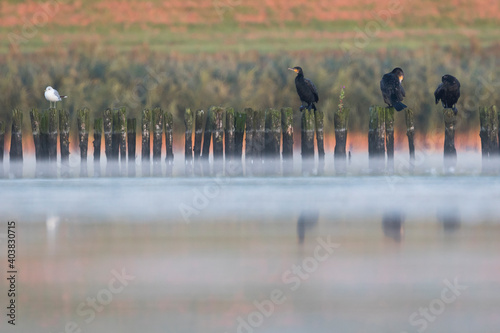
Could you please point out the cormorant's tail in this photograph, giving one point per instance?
(399, 106)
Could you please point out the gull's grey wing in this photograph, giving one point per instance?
(57, 94)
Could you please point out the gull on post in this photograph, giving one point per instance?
(53, 96)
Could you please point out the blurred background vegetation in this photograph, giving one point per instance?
(179, 54)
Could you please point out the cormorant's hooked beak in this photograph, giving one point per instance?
(293, 69)
(401, 77)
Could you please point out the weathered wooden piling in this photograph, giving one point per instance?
(83, 120)
(272, 143)
(157, 116)
(376, 138)
(450, 153)
(64, 141)
(16, 143)
(229, 135)
(218, 139)
(188, 142)
(52, 140)
(287, 130)
(340, 120)
(250, 129)
(131, 141)
(307, 126)
(108, 137)
(98, 127)
(410, 133)
(389, 138)
(146, 142)
(35, 118)
(319, 119)
(198, 137)
(119, 141)
(488, 117)
(2, 143)
(240, 119)
(207, 135)
(169, 141)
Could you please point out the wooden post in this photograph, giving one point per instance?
(389, 138)
(64, 141)
(287, 130)
(83, 138)
(35, 129)
(340, 120)
(188, 142)
(169, 142)
(450, 153)
(376, 138)
(207, 137)
(239, 133)
(16, 144)
(157, 140)
(250, 129)
(52, 136)
(131, 142)
(218, 139)
(410, 132)
(272, 141)
(108, 139)
(489, 136)
(146, 143)
(259, 140)
(97, 146)
(319, 118)
(2, 143)
(307, 141)
(229, 136)
(119, 141)
(198, 136)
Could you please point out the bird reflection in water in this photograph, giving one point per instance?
(307, 220)
(392, 224)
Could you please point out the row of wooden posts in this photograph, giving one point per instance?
(265, 137)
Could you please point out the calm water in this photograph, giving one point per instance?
(303, 254)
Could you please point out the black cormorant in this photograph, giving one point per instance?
(448, 92)
(392, 90)
(307, 91)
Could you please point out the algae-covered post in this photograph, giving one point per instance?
(157, 140)
(319, 119)
(218, 139)
(131, 143)
(35, 118)
(450, 153)
(259, 140)
(169, 141)
(108, 139)
(488, 117)
(119, 140)
(287, 130)
(376, 138)
(198, 137)
(273, 141)
(146, 142)
(389, 138)
(250, 129)
(307, 126)
(16, 141)
(97, 146)
(207, 138)
(83, 138)
(52, 139)
(239, 134)
(340, 120)
(410, 133)
(64, 141)
(188, 142)
(229, 135)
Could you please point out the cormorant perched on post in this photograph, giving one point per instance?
(392, 90)
(307, 91)
(448, 92)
